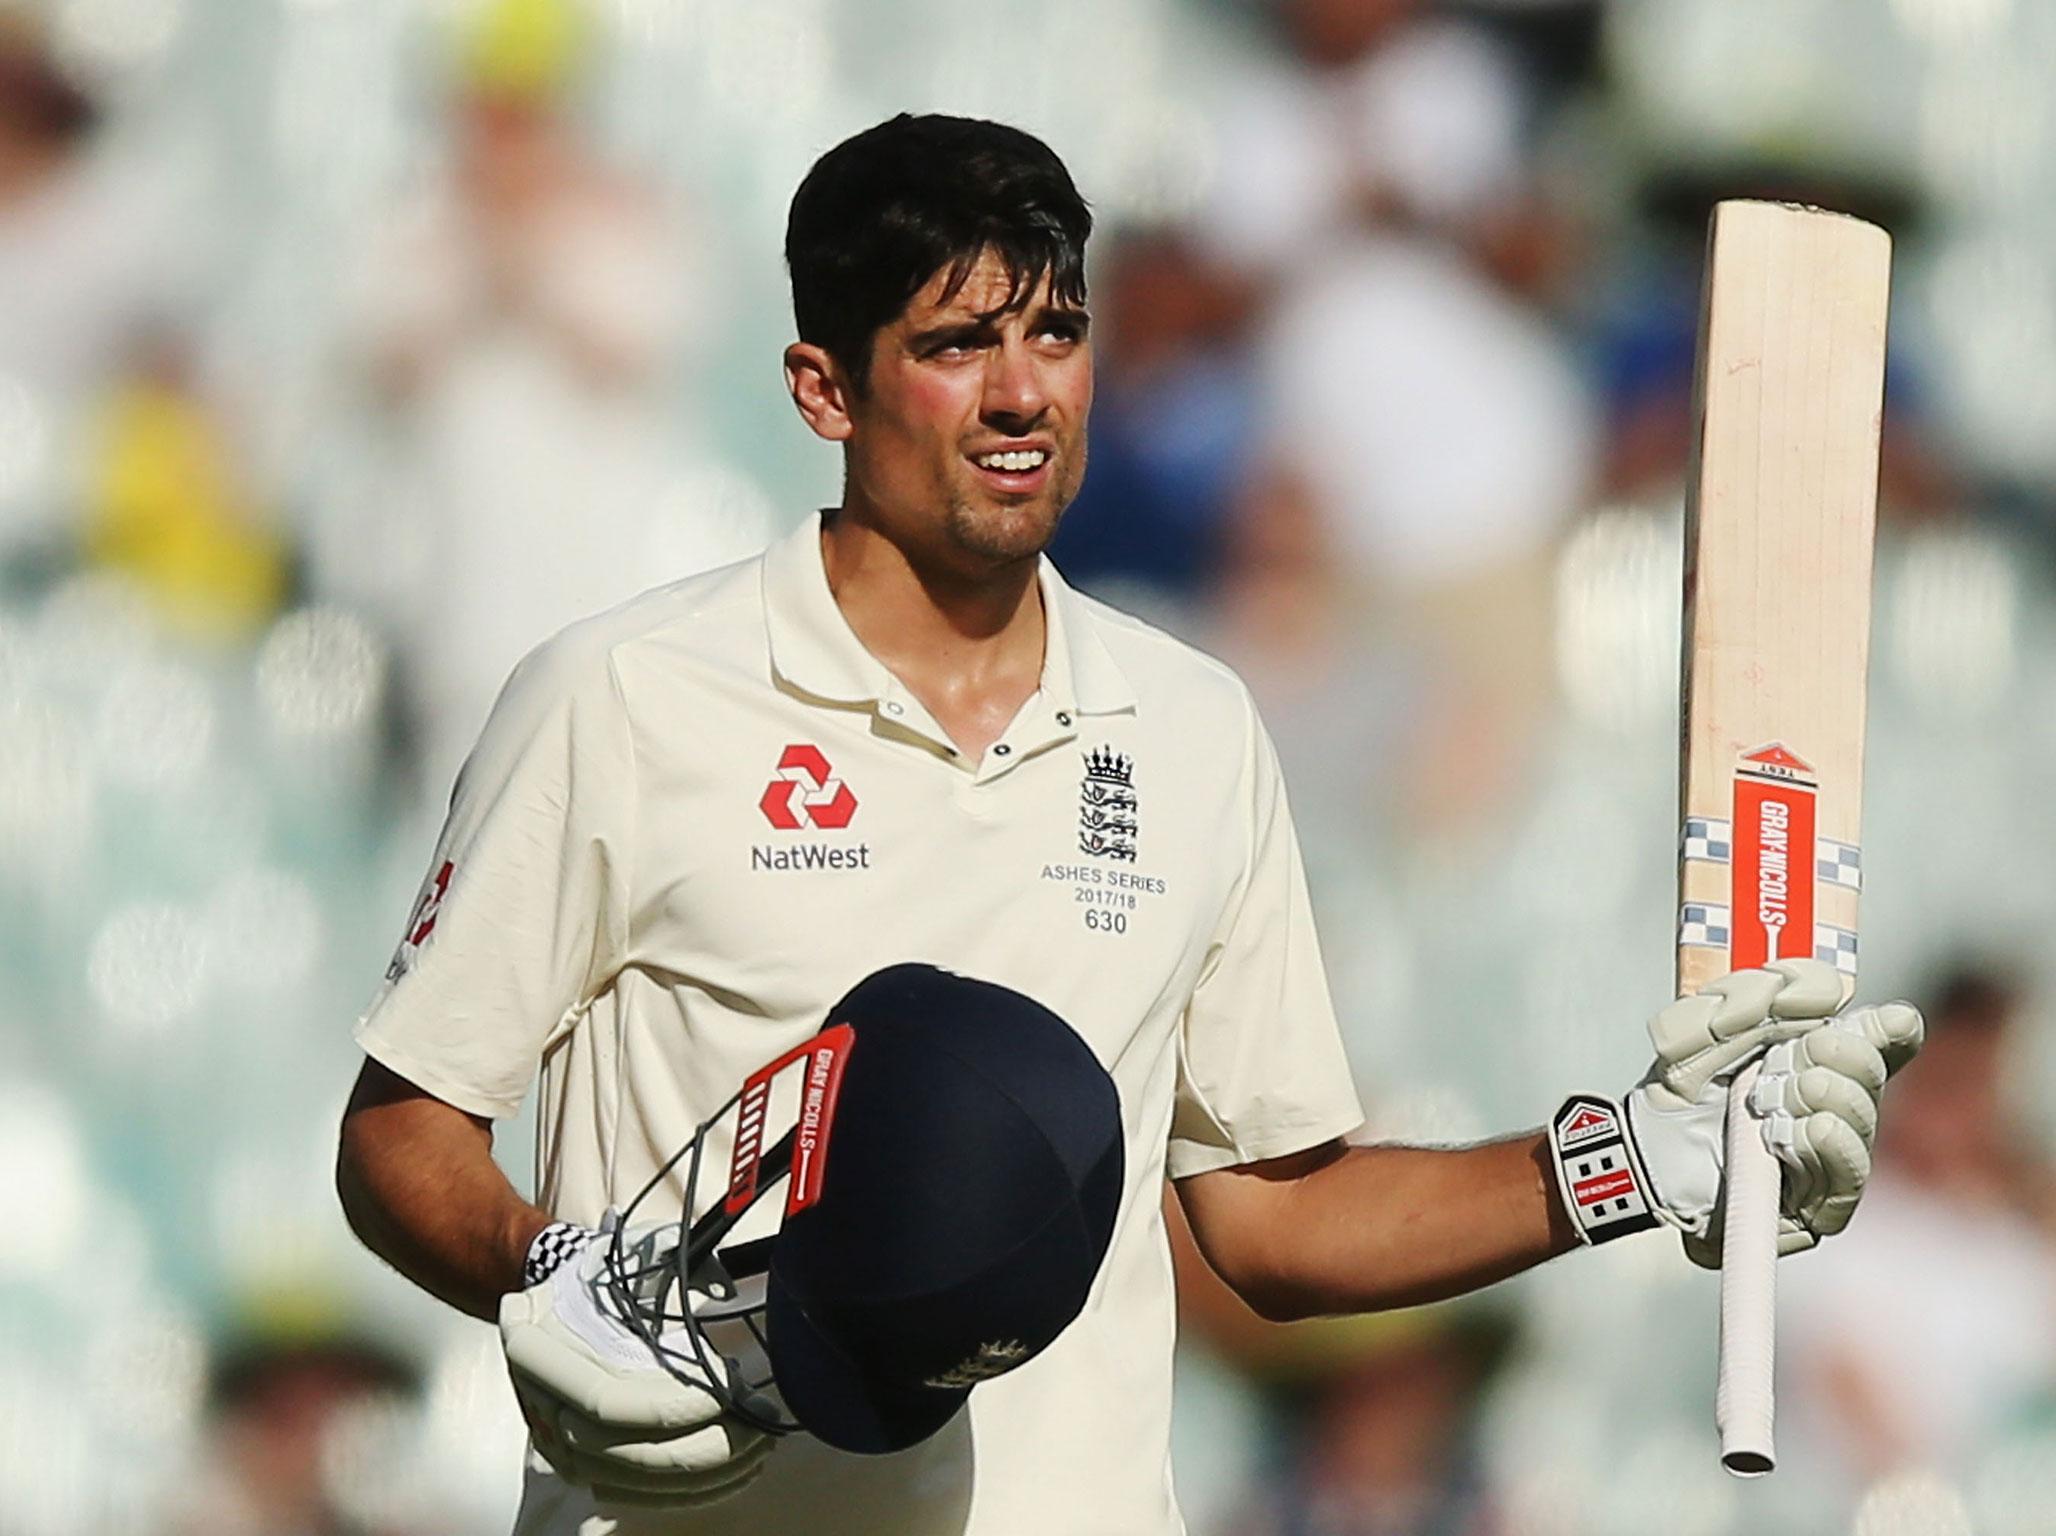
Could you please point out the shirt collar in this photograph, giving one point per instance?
(814, 651)
(813, 648)
(1077, 667)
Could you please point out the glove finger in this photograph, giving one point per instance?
(1822, 1091)
(542, 1414)
(680, 1498)
(1896, 1030)
(649, 1399)
(1845, 1052)
(701, 1451)
(588, 1472)
(1745, 1000)
(1812, 989)
(1793, 1238)
(1803, 1183)
(1699, 1038)
(1722, 1009)
(1684, 1028)
(1704, 1250)
(607, 1472)
(1800, 1184)
(1843, 1164)
(1813, 1091)
(683, 1487)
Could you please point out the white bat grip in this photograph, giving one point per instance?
(1743, 1401)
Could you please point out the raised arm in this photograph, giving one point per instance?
(421, 1190)
(1348, 1229)
(1361, 1229)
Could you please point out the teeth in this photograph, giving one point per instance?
(1017, 459)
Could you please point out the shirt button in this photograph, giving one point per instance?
(1063, 717)
(893, 709)
(1001, 750)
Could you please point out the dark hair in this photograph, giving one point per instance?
(37, 98)
(883, 212)
(249, 1364)
(1972, 992)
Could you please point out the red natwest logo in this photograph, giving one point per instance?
(806, 793)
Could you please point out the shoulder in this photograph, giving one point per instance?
(1177, 685)
(582, 666)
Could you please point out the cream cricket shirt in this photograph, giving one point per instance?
(695, 821)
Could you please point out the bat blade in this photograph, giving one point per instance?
(1780, 510)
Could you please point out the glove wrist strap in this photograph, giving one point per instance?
(556, 1243)
(1599, 1174)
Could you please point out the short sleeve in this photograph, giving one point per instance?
(523, 916)
(1261, 1069)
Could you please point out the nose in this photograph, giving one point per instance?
(1015, 393)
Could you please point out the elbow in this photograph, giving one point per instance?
(349, 1181)
(356, 1188)
(1267, 1291)
(1275, 1301)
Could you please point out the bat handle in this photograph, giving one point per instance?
(1744, 1405)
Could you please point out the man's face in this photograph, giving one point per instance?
(969, 439)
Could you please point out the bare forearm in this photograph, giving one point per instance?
(1369, 1228)
(421, 1190)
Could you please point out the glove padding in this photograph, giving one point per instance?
(1816, 1098)
(603, 1410)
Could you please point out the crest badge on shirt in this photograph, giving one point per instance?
(1108, 812)
(421, 922)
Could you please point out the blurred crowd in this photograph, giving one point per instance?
(348, 349)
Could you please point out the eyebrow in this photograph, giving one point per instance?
(979, 328)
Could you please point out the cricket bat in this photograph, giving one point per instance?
(1779, 511)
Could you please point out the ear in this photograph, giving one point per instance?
(819, 390)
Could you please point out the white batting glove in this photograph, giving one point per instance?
(1816, 1098)
(603, 1410)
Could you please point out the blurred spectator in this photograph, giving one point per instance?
(1392, 112)
(1439, 433)
(522, 320)
(167, 506)
(1429, 418)
(1285, 619)
(1931, 1330)
(276, 1408)
(1173, 413)
(1337, 435)
(97, 267)
(1440, 427)
(1374, 1413)
(1643, 322)
(1383, 1445)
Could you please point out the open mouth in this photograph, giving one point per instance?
(1014, 469)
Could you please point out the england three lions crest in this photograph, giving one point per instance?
(1107, 808)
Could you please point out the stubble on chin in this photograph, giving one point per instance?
(1004, 532)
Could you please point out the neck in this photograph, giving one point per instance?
(950, 635)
